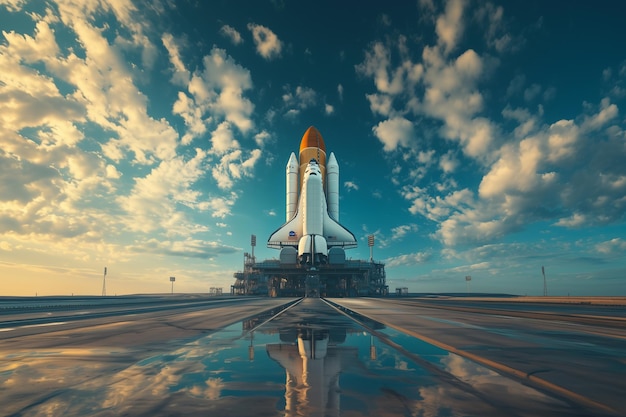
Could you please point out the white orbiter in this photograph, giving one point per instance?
(312, 231)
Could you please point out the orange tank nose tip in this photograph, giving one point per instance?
(312, 138)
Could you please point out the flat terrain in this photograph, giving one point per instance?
(189, 355)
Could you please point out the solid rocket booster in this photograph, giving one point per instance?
(332, 190)
(312, 205)
(292, 186)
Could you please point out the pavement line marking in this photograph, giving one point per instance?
(295, 303)
(56, 323)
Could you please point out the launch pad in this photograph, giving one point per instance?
(271, 278)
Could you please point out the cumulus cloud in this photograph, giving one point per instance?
(13, 5)
(262, 138)
(214, 94)
(607, 113)
(449, 25)
(75, 128)
(407, 260)
(222, 139)
(576, 220)
(452, 97)
(554, 172)
(214, 106)
(180, 73)
(300, 98)
(400, 232)
(232, 34)
(448, 162)
(536, 171)
(495, 33)
(221, 206)
(532, 92)
(234, 165)
(152, 203)
(615, 247)
(30, 98)
(225, 81)
(516, 85)
(351, 185)
(267, 43)
(104, 83)
(441, 87)
(394, 132)
(378, 65)
(78, 106)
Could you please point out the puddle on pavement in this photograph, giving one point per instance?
(308, 361)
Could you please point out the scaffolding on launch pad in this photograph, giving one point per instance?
(275, 279)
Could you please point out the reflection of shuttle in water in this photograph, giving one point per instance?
(312, 366)
(316, 347)
(312, 231)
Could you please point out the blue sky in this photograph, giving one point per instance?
(474, 138)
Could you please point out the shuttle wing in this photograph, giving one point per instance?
(290, 233)
(336, 234)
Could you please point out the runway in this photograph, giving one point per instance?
(196, 355)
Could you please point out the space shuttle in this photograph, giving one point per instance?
(312, 235)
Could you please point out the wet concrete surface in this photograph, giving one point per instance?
(263, 357)
(575, 352)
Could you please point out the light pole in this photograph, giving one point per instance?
(172, 279)
(370, 243)
(104, 282)
(253, 244)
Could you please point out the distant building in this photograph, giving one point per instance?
(402, 291)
